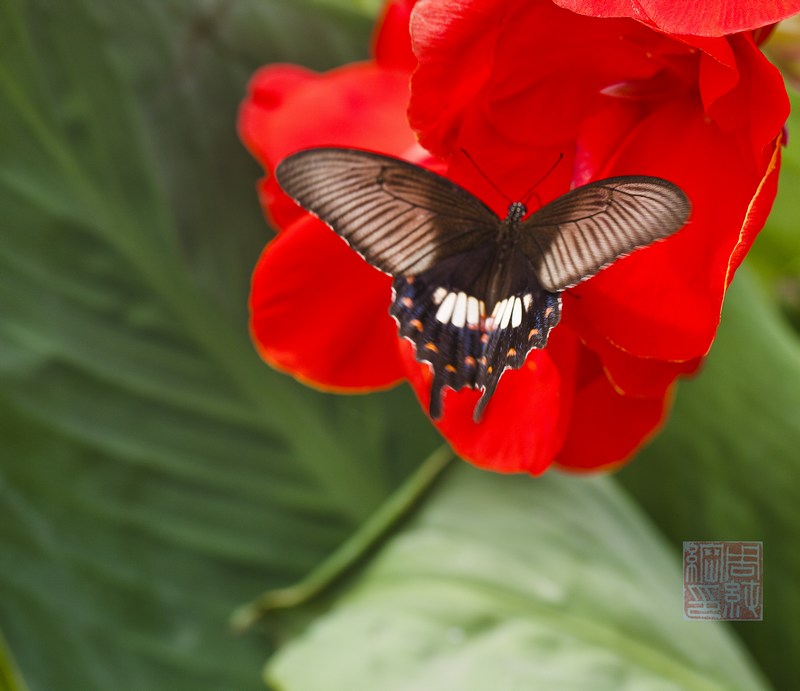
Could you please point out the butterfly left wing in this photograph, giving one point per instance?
(585, 230)
(402, 218)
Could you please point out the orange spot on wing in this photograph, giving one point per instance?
(408, 302)
(417, 324)
(432, 347)
(512, 352)
(450, 368)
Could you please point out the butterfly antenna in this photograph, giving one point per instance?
(541, 180)
(486, 177)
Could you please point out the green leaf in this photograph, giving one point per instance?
(154, 474)
(368, 7)
(513, 583)
(726, 466)
(10, 677)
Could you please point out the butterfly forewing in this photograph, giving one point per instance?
(401, 218)
(578, 234)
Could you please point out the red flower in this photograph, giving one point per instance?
(710, 18)
(516, 84)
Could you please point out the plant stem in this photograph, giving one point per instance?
(370, 534)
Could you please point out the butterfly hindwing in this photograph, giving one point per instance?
(403, 219)
(452, 350)
(468, 341)
(522, 324)
(575, 236)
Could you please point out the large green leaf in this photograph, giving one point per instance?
(511, 583)
(153, 472)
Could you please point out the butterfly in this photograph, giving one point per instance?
(473, 292)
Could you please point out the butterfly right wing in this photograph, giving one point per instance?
(582, 232)
(403, 219)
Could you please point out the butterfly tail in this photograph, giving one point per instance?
(435, 407)
(483, 401)
(533, 315)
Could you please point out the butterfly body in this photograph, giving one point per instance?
(476, 314)
(474, 293)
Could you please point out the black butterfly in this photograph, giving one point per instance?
(474, 293)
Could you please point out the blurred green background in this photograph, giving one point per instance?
(155, 475)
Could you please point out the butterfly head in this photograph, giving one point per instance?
(516, 211)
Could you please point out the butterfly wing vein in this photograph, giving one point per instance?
(401, 218)
(582, 232)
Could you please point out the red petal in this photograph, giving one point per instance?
(290, 108)
(543, 69)
(524, 424)
(359, 105)
(710, 18)
(392, 49)
(452, 42)
(629, 375)
(759, 208)
(269, 89)
(321, 312)
(758, 102)
(606, 427)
